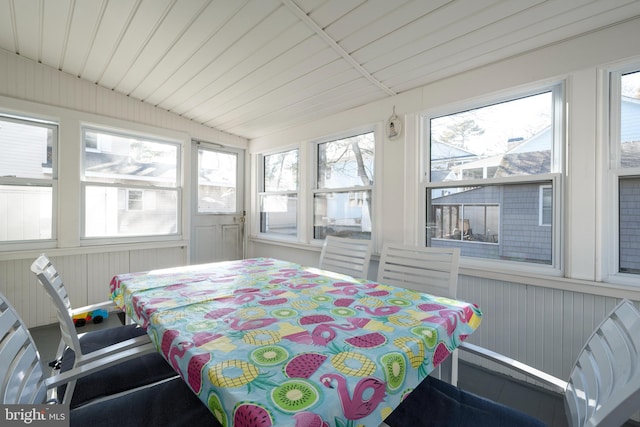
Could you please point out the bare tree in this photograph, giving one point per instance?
(457, 133)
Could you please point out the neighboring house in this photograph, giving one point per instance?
(445, 157)
(480, 220)
(125, 210)
(27, 162)
(629, 188)
(502, 221)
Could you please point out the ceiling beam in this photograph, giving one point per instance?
(334, 45)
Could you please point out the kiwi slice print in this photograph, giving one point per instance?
(283, 313)
(429, 334)
(269, 355)
(395, 369)
(343, 311)
(216, 407)
(295, 395)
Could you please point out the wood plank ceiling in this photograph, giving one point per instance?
(255, 67)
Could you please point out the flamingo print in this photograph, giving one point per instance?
(236, 324)
(357, 407)
(324, 333)
(173, 353)
(346, 290)
(379, 311)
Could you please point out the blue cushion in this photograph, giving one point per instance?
(143, 370)
(171, 403)
(437, 403)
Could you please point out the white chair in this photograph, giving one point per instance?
(22, 381)
(346, 256)
(603, 388)
(77, 350)
(430, 270)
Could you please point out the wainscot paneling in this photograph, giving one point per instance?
(86, 277)
(543, 327)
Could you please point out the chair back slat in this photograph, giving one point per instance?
(54, 286)
(346, 256)
(21, 374)
(604, 386)
(431, 270)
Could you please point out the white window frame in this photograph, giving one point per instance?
(614, 173)
(93, 240)
(541, 221)
(556, 268)
(15, 245)
(261, 192)
(315, 190)
(307, 176)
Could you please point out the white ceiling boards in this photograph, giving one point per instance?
(255, 67)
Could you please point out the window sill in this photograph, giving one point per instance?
(82, 250)
(552, 278)
(557, 282)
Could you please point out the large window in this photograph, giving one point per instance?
(625, 163)
(491, 177)
(131, 185)
(344, 186)
(279, 195)
(28, 179)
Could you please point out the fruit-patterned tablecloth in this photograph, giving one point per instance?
(267, 342)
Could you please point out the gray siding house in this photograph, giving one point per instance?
(513, 221)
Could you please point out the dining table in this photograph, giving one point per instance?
(268, 342)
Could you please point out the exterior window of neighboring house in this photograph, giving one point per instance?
(130, 185)
(135, 200)
(279, 196)
(493, 170)
(344, 186)
(28, 180)
(546, 205)
(477, 223)
(625, 165)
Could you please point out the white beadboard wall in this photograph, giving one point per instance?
(27, 80)
(86, 277)
(543, 327)
(86, 271)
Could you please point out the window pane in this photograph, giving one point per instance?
(506, 139)
(278, 214)
(345, 214)
(108, 213)
(630, 120)
(546, 205)
(497, 222)
(124, 159)
(25, 213)
(217, 174)
(27, 176)
(281, 171)
(630, 225)
(346, 162)
(26, 150)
